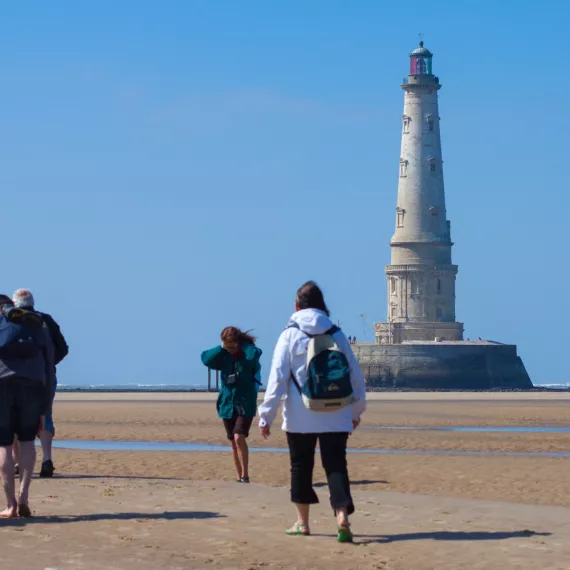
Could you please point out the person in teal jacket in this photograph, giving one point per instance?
(237, 358)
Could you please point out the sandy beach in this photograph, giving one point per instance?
(171, 509)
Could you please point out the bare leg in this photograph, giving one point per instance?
(46, 439)
(243, 452)
(302, 514)
(16, 451)
(8, 484)
(237, 461)
(342, 517)
(27, 462)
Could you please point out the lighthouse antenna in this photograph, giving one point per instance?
(363, 317)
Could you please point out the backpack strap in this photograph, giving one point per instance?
(296, 384)
(294, 325)
(333, 330)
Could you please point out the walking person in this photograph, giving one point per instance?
(26, 364)
(316, 375)
(237, 358)
(24, 299)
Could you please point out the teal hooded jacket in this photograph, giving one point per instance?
(241, 397)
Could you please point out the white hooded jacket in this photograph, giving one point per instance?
(290, 355)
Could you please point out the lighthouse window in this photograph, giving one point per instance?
(439, 312)
(430, 124)
(432, 166)
(400, 218)
(403, 167)
(394, 311)
(421, 66)
(439, 285)
(406, 125)
(393, 286)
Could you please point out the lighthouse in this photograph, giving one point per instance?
(420, 346)
(421, 276)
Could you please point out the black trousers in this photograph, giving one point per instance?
(333, 456)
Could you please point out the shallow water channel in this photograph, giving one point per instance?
(478, 429)
(176, 446)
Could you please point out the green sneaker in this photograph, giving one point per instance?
(344, 534)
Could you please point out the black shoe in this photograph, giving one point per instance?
(244, 480)
(47, 469)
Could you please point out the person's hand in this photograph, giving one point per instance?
(41, 425)
(355, 423)
(265, 431)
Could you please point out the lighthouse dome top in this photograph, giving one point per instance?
(421, 51)
(420, 61)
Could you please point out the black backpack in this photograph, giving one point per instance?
(20, 333)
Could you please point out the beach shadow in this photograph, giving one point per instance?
(359, 482)
(137, 517)
(448, 536)
(135, 477)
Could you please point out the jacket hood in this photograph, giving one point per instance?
(312, 321)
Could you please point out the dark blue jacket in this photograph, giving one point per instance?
(39, 367)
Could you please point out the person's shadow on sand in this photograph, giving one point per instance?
(448, 535)
(321, 484)
(132, 477)
(137, 517)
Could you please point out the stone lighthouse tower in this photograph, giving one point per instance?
(421, 345)
(421, 276)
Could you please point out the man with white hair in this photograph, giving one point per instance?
(24, 299)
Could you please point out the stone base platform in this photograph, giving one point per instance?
(462, 365)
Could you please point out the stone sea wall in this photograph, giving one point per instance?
(465, 366)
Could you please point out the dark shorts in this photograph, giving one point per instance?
(21, 401)
(238, 425)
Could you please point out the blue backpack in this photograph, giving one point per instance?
(328, 387)
(20, 334)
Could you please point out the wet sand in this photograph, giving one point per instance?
(518, 479)
(383, 396)
(448, 530)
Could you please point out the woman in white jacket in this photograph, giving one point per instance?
(304, 426)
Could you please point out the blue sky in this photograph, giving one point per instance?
(169, 168)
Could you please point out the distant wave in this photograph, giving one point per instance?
(131, 387)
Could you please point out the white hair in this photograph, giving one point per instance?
(23, 299)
